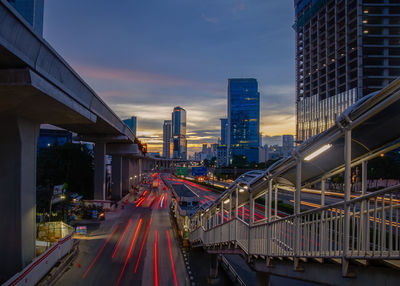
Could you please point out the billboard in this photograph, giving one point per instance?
(181, 171)
(199, 171)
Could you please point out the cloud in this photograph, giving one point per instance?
(212, 20)
(136, 76)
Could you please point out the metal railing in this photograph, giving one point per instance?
(373, 231)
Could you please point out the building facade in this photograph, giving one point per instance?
(32, 11)
(167, 135)
(243, 132)
(179, 133)
(345, 50)
(131, 123)
(287, 145)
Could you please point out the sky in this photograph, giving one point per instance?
(145, 57)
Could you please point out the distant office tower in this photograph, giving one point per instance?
(32, 11)
(131, 122)
(345, 49)
(224, 130)
(167, 133)
(243, 136)
(287, 145)
(179, 133)
(222, 148)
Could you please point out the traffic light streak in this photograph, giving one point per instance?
(141, 248)
(115, 250)
(130, 251)
(98, 254)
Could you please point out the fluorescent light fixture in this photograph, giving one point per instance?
(226, 201)
(317, 152)
(241, 190)
(246, 187)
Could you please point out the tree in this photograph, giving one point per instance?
(69, 163)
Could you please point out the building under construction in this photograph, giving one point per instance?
(345, 49)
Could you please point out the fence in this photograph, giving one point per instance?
(366, 227)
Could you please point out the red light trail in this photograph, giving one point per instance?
(97, 256)
(141, 248)
(130, 251)
(172, 261)
(155, 262)
(115, 251)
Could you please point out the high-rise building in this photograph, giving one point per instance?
(179, 133)
(287, 145)
(32, 11)
(131, 123)
(345, 49)
(224, 130)
(167, 134)
(243, 136)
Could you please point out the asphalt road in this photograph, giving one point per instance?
(136, 246)
(237, 262)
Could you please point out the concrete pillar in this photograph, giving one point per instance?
(100, 171)
(262, 279)
(18, 143)
(214, 263)
(116, 177)
(125, 175)
(347, 190)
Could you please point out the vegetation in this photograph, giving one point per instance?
(69, 163)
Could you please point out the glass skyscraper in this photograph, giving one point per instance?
(131, 122)
(167, 132)
(243, 136)
(179, 133)
(32, 11)
(345, 50)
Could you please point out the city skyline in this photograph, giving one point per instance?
(175, 66)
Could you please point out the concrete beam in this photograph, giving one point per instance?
(332, 273)
(123, 149)
(18, 145)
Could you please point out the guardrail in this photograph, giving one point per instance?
(228, 267)
(39, 267)
(373, 226)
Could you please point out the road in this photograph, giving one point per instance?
(136, 246)
(237, 262)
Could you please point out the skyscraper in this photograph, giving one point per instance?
(32, 11)
(224, 127)
(131, 122)
(179, 133)
(287, 145)
(345, 49)
(243, 136)
(167, 132)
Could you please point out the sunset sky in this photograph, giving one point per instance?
(145, 57)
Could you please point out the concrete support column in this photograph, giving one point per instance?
(125, 175)
(347, 190)
(18, 145)
(214, 263)
(116, 177)
(297, 199)
(100, 171)
(262, 279)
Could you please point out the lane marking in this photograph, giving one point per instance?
(98, 254)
